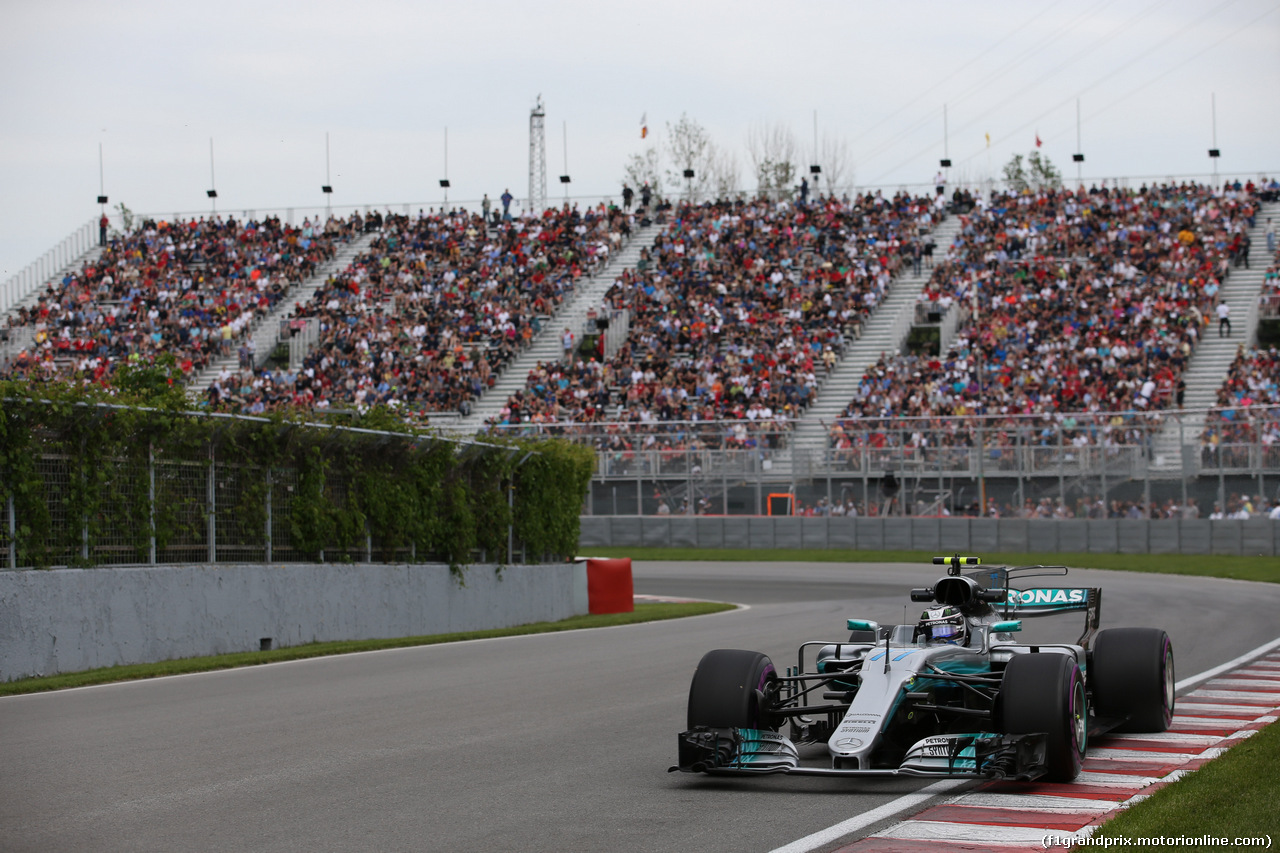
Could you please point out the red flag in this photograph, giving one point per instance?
(1038, 142)
(644, 125)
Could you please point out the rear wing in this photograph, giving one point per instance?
(1047, 601)
(1033, 600)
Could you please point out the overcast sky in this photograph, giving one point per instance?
(153, 82)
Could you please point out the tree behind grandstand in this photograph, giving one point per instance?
(1037, 173)
(644, 169)
(688, 146)
(774, 153)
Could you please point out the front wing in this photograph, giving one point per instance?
(734, 751)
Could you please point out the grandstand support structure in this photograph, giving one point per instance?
(588, 295)
(24, 288)
(266, 331)
(538, 158)
(1178, 442)
(883, 333)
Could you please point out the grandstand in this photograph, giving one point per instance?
(725, 351)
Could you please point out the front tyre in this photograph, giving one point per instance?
(1044, 693)
(729, 690)
(1131, 676)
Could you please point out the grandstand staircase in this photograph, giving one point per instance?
(546, 347)
(266, 332)
(1212, 357)
(884, 332)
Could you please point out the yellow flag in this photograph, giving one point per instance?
(988, 140)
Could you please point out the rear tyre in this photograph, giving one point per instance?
(1044, 693)
(1131, 676)
(728, 689)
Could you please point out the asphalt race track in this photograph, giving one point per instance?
(555, 742)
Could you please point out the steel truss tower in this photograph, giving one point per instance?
(537, 158)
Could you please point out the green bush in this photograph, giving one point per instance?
(79, 465)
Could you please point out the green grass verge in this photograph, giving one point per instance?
(1230, 797)
(649, 612)
(1240, 568)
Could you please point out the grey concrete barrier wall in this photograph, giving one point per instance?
(1256, 536)
(69, 620)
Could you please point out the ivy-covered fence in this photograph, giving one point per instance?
(87, 483)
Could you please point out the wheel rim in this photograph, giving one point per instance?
(1168, 682)
(757, 712)
(1080, 717)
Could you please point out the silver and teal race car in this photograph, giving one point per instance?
(953, 695)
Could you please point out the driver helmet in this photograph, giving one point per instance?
(943, 625)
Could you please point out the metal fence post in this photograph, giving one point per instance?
(84, 520)
(212, 500)
(13, 533)
(1102, 456)
(1182, 456)
(151, 502)
(1062, 480)
(1018, 460)
(269, 519)
(1149, 447)
(511, 514)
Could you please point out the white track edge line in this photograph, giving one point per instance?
(1221, 668)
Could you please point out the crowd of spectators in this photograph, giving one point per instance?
(735, 313)
(1085, 301)
(189, 288)
(426, 318)
(1246, 418)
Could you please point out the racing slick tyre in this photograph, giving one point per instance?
(1045, 693)
(728, 689)
(1131, 676)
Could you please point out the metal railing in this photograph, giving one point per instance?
(21, 284)
(735, 464)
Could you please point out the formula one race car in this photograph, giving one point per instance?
(953, 695)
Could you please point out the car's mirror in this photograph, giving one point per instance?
(1009, 627)
(864, 625)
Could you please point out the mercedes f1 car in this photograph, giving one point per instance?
(953, 695)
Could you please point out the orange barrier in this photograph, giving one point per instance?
(609, 586)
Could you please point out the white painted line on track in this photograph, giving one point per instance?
(1248, 697)
(1231, 664)
(1142, 755)
(930, 830)
(909, 801)
(1032, 802)
(1170, 737)
(1211, 708)
(1113, 780)
(888, 810)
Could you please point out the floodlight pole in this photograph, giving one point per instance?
(213, 182)
(815, 136)
(1213, 108)
(565, 129)
(328, 181)
(446, 167)
(1079, 148)
(946, 155)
